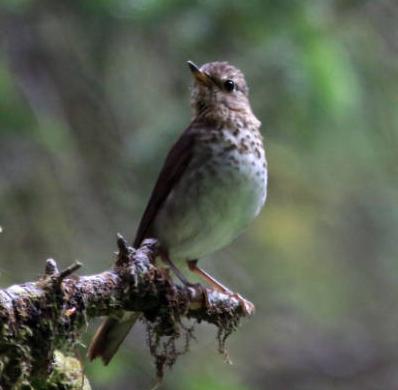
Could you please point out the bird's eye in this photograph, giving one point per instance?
(229, 85)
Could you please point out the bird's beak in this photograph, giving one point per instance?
(201, 77)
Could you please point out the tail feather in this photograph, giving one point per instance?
(110, 335)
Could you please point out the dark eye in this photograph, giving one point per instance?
(229, 85)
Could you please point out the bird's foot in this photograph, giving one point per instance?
(201, 289)
(195, 286)
(247, 306)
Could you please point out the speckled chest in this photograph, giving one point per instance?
(221, 191)
(235, 166)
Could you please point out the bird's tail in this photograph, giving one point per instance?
(110, 335)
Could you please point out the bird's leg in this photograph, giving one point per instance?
(247, 306)
(166, 259)
(193, 266)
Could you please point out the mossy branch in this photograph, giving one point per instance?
(38, 318)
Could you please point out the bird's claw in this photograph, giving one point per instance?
(202, 289)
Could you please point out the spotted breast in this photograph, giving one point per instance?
(227, 183)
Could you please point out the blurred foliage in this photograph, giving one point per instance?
(93, 93)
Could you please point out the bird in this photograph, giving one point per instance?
(213, 183)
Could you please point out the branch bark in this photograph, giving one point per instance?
(38, 318)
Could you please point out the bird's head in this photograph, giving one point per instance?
(219, 87)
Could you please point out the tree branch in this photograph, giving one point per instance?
(36, 318)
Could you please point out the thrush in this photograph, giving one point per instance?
(212, 185)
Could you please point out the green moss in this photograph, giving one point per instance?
(67, 374)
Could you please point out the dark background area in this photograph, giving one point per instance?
(92, 95)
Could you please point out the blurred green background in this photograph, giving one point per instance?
(92, 95)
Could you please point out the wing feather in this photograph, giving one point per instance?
(174, 166)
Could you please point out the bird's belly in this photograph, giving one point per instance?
(211, 205)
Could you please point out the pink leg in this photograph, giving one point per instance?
(166, 259)
(192, 265)
(247, 306)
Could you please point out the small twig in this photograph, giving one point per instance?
(123, 254)
(51, 268)
(69, 270)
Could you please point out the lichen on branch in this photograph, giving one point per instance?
(38, 318)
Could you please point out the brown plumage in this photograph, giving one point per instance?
(212, 184)
(176, 162)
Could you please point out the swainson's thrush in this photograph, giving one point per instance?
(212, 184)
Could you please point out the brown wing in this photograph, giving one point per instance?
(177, 160)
